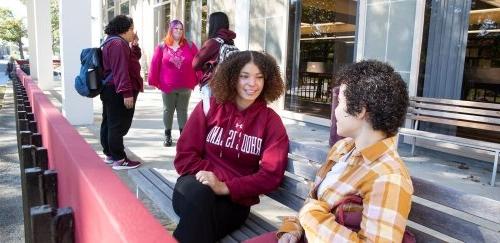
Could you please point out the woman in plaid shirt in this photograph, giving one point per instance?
(372, 105)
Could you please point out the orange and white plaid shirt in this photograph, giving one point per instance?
(379, 176)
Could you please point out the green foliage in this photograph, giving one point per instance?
(12, 29)
(54, 21)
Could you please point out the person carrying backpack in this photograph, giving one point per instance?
(207, 58)
(171, 72)
(119, 95)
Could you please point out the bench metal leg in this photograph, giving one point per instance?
(414, 140)
(494, 173)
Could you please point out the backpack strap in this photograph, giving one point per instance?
(110, 39)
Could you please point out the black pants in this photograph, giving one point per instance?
(204, 216)
(116, 121)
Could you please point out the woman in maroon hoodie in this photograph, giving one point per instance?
(232, 154)
(122, 69)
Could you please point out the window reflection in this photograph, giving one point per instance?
(482, 58)
(327, 40)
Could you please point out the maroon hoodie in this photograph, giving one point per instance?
(123, 63)
(245, 149)
(206, 59)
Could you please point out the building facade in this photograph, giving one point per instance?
(442, 48)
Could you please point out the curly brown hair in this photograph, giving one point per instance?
(223, 84)
(375, 86)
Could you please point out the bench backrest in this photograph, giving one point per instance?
(428, 221)
(460, 113)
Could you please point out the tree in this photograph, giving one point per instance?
(12, 29)
(54, 15)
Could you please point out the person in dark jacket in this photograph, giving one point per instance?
(122, 69)
(233, 153)
(206, 59)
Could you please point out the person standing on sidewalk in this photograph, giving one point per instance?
(121, 61)
(206, 60)
(229, 156)
(171, 71)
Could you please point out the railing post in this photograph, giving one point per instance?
(41, 218)
(50, 188)
(63, 226)
(41, 158)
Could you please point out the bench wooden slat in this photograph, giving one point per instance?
(421, 236)
(472, 204)
(260, 222)
(454, 227)
(453, 122)
(465, 103)
(454, 109)
(452, 139)
(311, 153)
(157, 179)
(304, 169)
(457, 116)
(228, 239)
(292, 201)
(255, 227)
(162, 200)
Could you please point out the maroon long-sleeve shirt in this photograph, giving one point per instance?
(123, 63)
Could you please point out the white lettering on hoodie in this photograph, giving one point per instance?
(249, 144)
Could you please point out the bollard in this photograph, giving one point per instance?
(41, 218)
(27, 108)
(27, 160)
(32, 125)
(24, 139)
(63, 226)
(36, 139)
(40, 157)
(23, 125)
(50, 188)
(30, 116)
(34, 186)
(27, 192)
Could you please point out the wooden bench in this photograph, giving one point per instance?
(467, 218)
(478, 115)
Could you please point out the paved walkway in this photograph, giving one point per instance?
(11, 207)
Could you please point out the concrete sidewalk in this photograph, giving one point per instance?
(11, 207)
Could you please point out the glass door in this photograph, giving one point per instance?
(321, 41)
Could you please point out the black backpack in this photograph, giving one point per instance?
(91, 80)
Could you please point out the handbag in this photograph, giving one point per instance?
(349, 212)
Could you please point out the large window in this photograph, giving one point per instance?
(110, 9)
(321, 41)
(124, 7)
(460, 57)
(161, 21)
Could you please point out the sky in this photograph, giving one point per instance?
(17, 8)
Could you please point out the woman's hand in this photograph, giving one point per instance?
(128, 102)
(290, 237)
(208, 178)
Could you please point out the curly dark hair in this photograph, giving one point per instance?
(118, 25)
(223, 84)
(377, 87)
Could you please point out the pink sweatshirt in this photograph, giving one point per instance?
(171, 70)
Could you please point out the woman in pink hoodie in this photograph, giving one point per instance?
(171, 71)
(233, 153)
